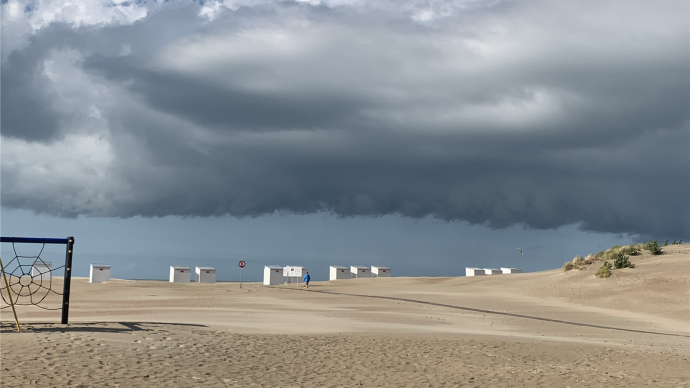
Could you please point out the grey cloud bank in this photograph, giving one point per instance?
(498, 113)
(144, 248)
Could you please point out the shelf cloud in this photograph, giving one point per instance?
(539, 113)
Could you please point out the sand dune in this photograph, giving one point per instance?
(536, 329)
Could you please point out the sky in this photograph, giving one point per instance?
(422, 135)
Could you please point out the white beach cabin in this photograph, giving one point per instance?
(492, 271)
(205, 275)
(294, 273)
(474, 271)
(179, 274)
(338, 272)
(380, 272)
(41, 270)
(99, 273)
(510, 270)
(273, 275)
(360, 272)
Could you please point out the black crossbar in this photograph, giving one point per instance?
(34, 240)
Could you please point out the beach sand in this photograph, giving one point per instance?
(546, 329)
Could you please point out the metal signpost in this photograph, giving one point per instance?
(241, 264)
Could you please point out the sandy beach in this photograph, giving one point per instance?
(545, 329)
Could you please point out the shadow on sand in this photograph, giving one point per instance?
(87, 327)
(514, 315)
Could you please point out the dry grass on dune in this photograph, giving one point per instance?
(618, 256)
(658, 284)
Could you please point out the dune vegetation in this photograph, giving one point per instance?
(616, 257)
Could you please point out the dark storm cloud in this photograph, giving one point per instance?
(226, 107)
(26, 109)
(532, 112)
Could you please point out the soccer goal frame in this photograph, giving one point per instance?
(67, 280)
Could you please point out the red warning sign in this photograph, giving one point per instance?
(242, 264)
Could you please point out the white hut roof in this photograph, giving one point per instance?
(379, 267)
(339, 267)
(206, 268)
(179, 267)
(274, 266)
(100, 265)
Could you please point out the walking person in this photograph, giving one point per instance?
(307, 278)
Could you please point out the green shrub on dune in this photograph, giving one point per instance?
(603, 272)
(629, 250)
(568, 266)
(622, 261)
(653, 247)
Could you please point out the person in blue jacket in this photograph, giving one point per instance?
(307, 278)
